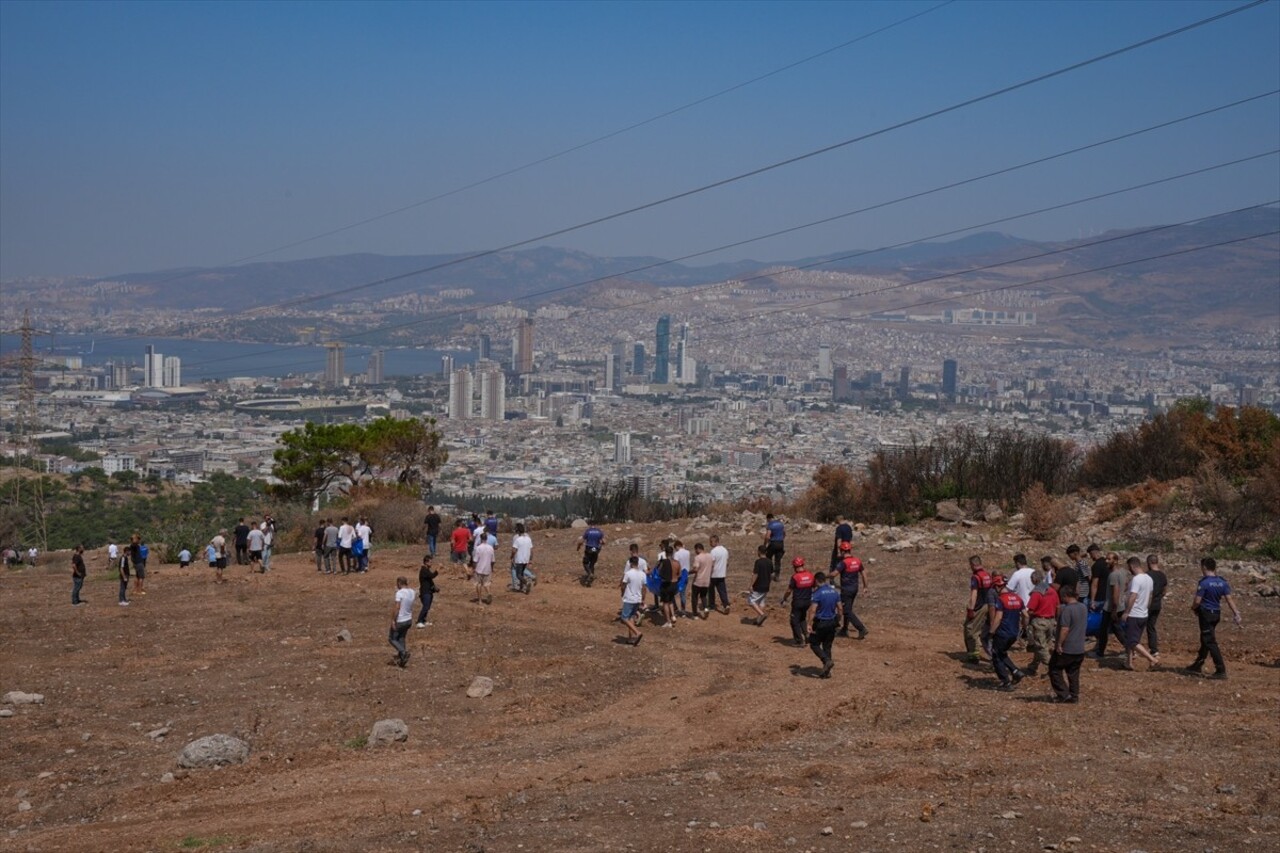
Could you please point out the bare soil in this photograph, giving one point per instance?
(714, 735)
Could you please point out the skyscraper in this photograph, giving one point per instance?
(662, 355)
(522, 358)
(824, 361)
(637, 360)
(335, 365)
(172, 375)
(840, 382)
(622, 448)
(373, 372)
(610, 371)
(484, 346)
(152, 368)
(460, 393)
(493, 395)
(949, 379)
(446, 366)
(904, 382)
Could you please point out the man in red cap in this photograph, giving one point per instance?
(1005, 625)
(853, 577)
(800, 593)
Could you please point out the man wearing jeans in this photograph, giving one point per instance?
(77, 575)
(401, 620)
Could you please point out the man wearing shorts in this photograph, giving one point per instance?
(219, 544)
(483, 570)
(762, 573)
(460, 544)
(632, 588)
(1135, 613)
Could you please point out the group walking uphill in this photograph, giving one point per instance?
(1059, 607)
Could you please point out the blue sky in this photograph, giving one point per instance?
(146, 136)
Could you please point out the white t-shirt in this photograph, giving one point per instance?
(1020, 583)
(633, 592)
(405, 597)
(1142, 586)
(719, 562)
(479, 535)
(682, 557)
(523, 546)
(483, 555)
(268, 534)
(644, 565)
(346, 533)
(255, 540)
(113, 552)
(364, 531)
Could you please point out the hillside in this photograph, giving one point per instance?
(711, 736)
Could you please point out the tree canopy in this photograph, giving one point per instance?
(317, 458)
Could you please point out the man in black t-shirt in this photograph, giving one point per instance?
(432, 522)
(319, 545)
(1159, 583)
(1099, 572)
(242, 543)
(762, 573)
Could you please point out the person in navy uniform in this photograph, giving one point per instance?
(775, 542)
(1006, 617)
(824, 617)
(1211, 592)
(852, 578)
(844, 535)
(800, 593)
(590, 543)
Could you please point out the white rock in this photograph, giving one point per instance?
(17, 697)
(481, 686)
(388, 731)
(214, 751)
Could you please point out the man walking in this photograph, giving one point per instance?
(1068, 648)
(1159, 584)
(242, 543)
(775, 533)
(219, 544)
(975, 617)
(1020, 582)
(1005, 625)
(763, 573)
(632, 588)
(346, 535)
(522, 576)
(78, 573)
(1134, 616)
(700, 574)
(823, 622)
(483, 570)
(852, 579)
(426, 589)
(331, 554)
(590, 543)
(268, 529)
(1211, 592)
(844, 536)
(255, 545)
(719, 575)
(432, 523)
(1111, 592)
(800, 593)
(1042, 610)
(401, 620)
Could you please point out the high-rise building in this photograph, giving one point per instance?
(824, 361)
(374, 370)
(840, 382)
(522, 357)
(172, 375)
(662, 354)
(460, 393)
(622, 448)
(904, 382)
(335, 364)
(120, 375)
(949, 379)
(637, 359)
(484, 346)
(493, 395)
(611, 371)
(446, 366)
(152, 368)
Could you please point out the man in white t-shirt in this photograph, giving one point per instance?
(483, 569)
(632, 587)
(1020, 581)
(1136, 609)
(719, 571)
(685, 560)
(522, 577)
(365, 533)
(346, 535)
(113, 555)
(401, 620)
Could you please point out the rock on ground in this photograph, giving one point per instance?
(388, 731)
(214, 751)
(17, 697)
(344, 636)
(481, 686)
(950, 511)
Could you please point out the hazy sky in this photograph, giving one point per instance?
(144, 136)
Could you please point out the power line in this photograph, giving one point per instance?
(826, 149)
(590, 142)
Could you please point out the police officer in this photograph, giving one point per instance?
(825, 617)
(590, 543)
(800, 593)
(852, 578)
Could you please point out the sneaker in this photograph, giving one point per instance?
(420, 625)
(1195, 668)
(1006, 686)
(1219, 675)
(1017, 675)
(79, 604)
(842, 633)
(862, 635)
(404, 659)
(124, 604)
(826, 669)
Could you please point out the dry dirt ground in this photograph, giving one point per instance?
(711, 736)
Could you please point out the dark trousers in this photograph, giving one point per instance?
(76, 585)
(701, 598)
(427, 597)
(775, 551)
(719, 588)
(1110, 626)
(1064, 675)
(396, 636)
(242, 553)
(798, 631)
(1005, 667)
(124, 587)
(823, 636)
(1153, 637)
(1209, 639)
(847, 597)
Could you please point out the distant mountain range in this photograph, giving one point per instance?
(1233, 284)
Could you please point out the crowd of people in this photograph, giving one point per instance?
(1050, 612)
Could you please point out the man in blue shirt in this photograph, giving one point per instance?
(1210, 594)
(844, 536)
(824, 618)
(775, 534)
(590, 543)
(1006, 624)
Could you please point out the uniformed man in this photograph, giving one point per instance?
(975, 617)
(852, 578)
(800, 593)
(824, 617)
